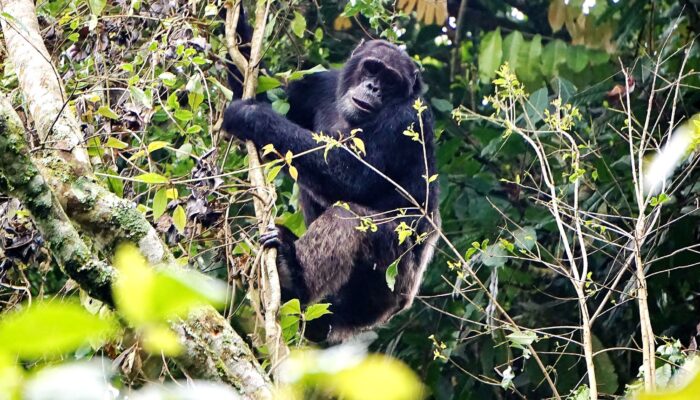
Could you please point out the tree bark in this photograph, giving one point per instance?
(213, 350)
(265, 193)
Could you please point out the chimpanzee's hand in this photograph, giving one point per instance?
(244, 118)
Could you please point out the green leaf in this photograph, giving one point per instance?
(266, 83)
(530, 59)
(141, 97)
(151, 178)
(192, 129)
(145, 295)
(169, 79)
(494, 256)
(294, 222)
(577, 58)
(280, 106)
(180, 219)
(525, 238)
(512, 46)
(391, 273)
(296, 75)
(115, 143)
(194, 99)
(160, 203)
(183, 115)
(298, 24)
(597, 57)
(157, 145)
(490, 55)
(537, 103)
(97, 6)
(51, 329)
(159, 339)
(292, 307)
(316, 311)
(273, 172)
(553, 55)
(442, 105)
(563, 89)
(522, 339)
(107, 112)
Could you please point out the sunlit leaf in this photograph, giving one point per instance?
(160, 202)
(391, 273)
(115, 143)
(378, 378)
(291, 307)
(687, 392)
(266, 83)
(316, 311)
(359, 144)
(152, 178)
(179, 219)
(161, 339)
(145, 295)
(107, 112)
(97, 6)
(51, 329)
(298, 24)
(141, 97)
(157, 145)
(183, 115)
(293, 172)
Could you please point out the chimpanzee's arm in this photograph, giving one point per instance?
(251, 120)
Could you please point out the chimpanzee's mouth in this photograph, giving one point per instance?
(362, 105)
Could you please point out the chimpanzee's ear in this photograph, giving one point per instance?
(418, 87)
(359, 46)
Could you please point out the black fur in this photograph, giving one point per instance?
(334, 262)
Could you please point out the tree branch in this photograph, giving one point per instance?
(265, 194)
(213, 350)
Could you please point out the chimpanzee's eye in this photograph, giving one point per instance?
(373, 67)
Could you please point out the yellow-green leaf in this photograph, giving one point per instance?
(107, 112)
(115, 143)
(51, 329)
(298, 24)
(180, 219)
(391, 272)
(316, 311)
(161, 339)
(157, 145)
(292, 307)
(268, 148)
(172, 193)
(378, 378)
(293, 172)
(273, 172)
(137, 155)
(152, 178)
(359, 144)
(160, 202)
